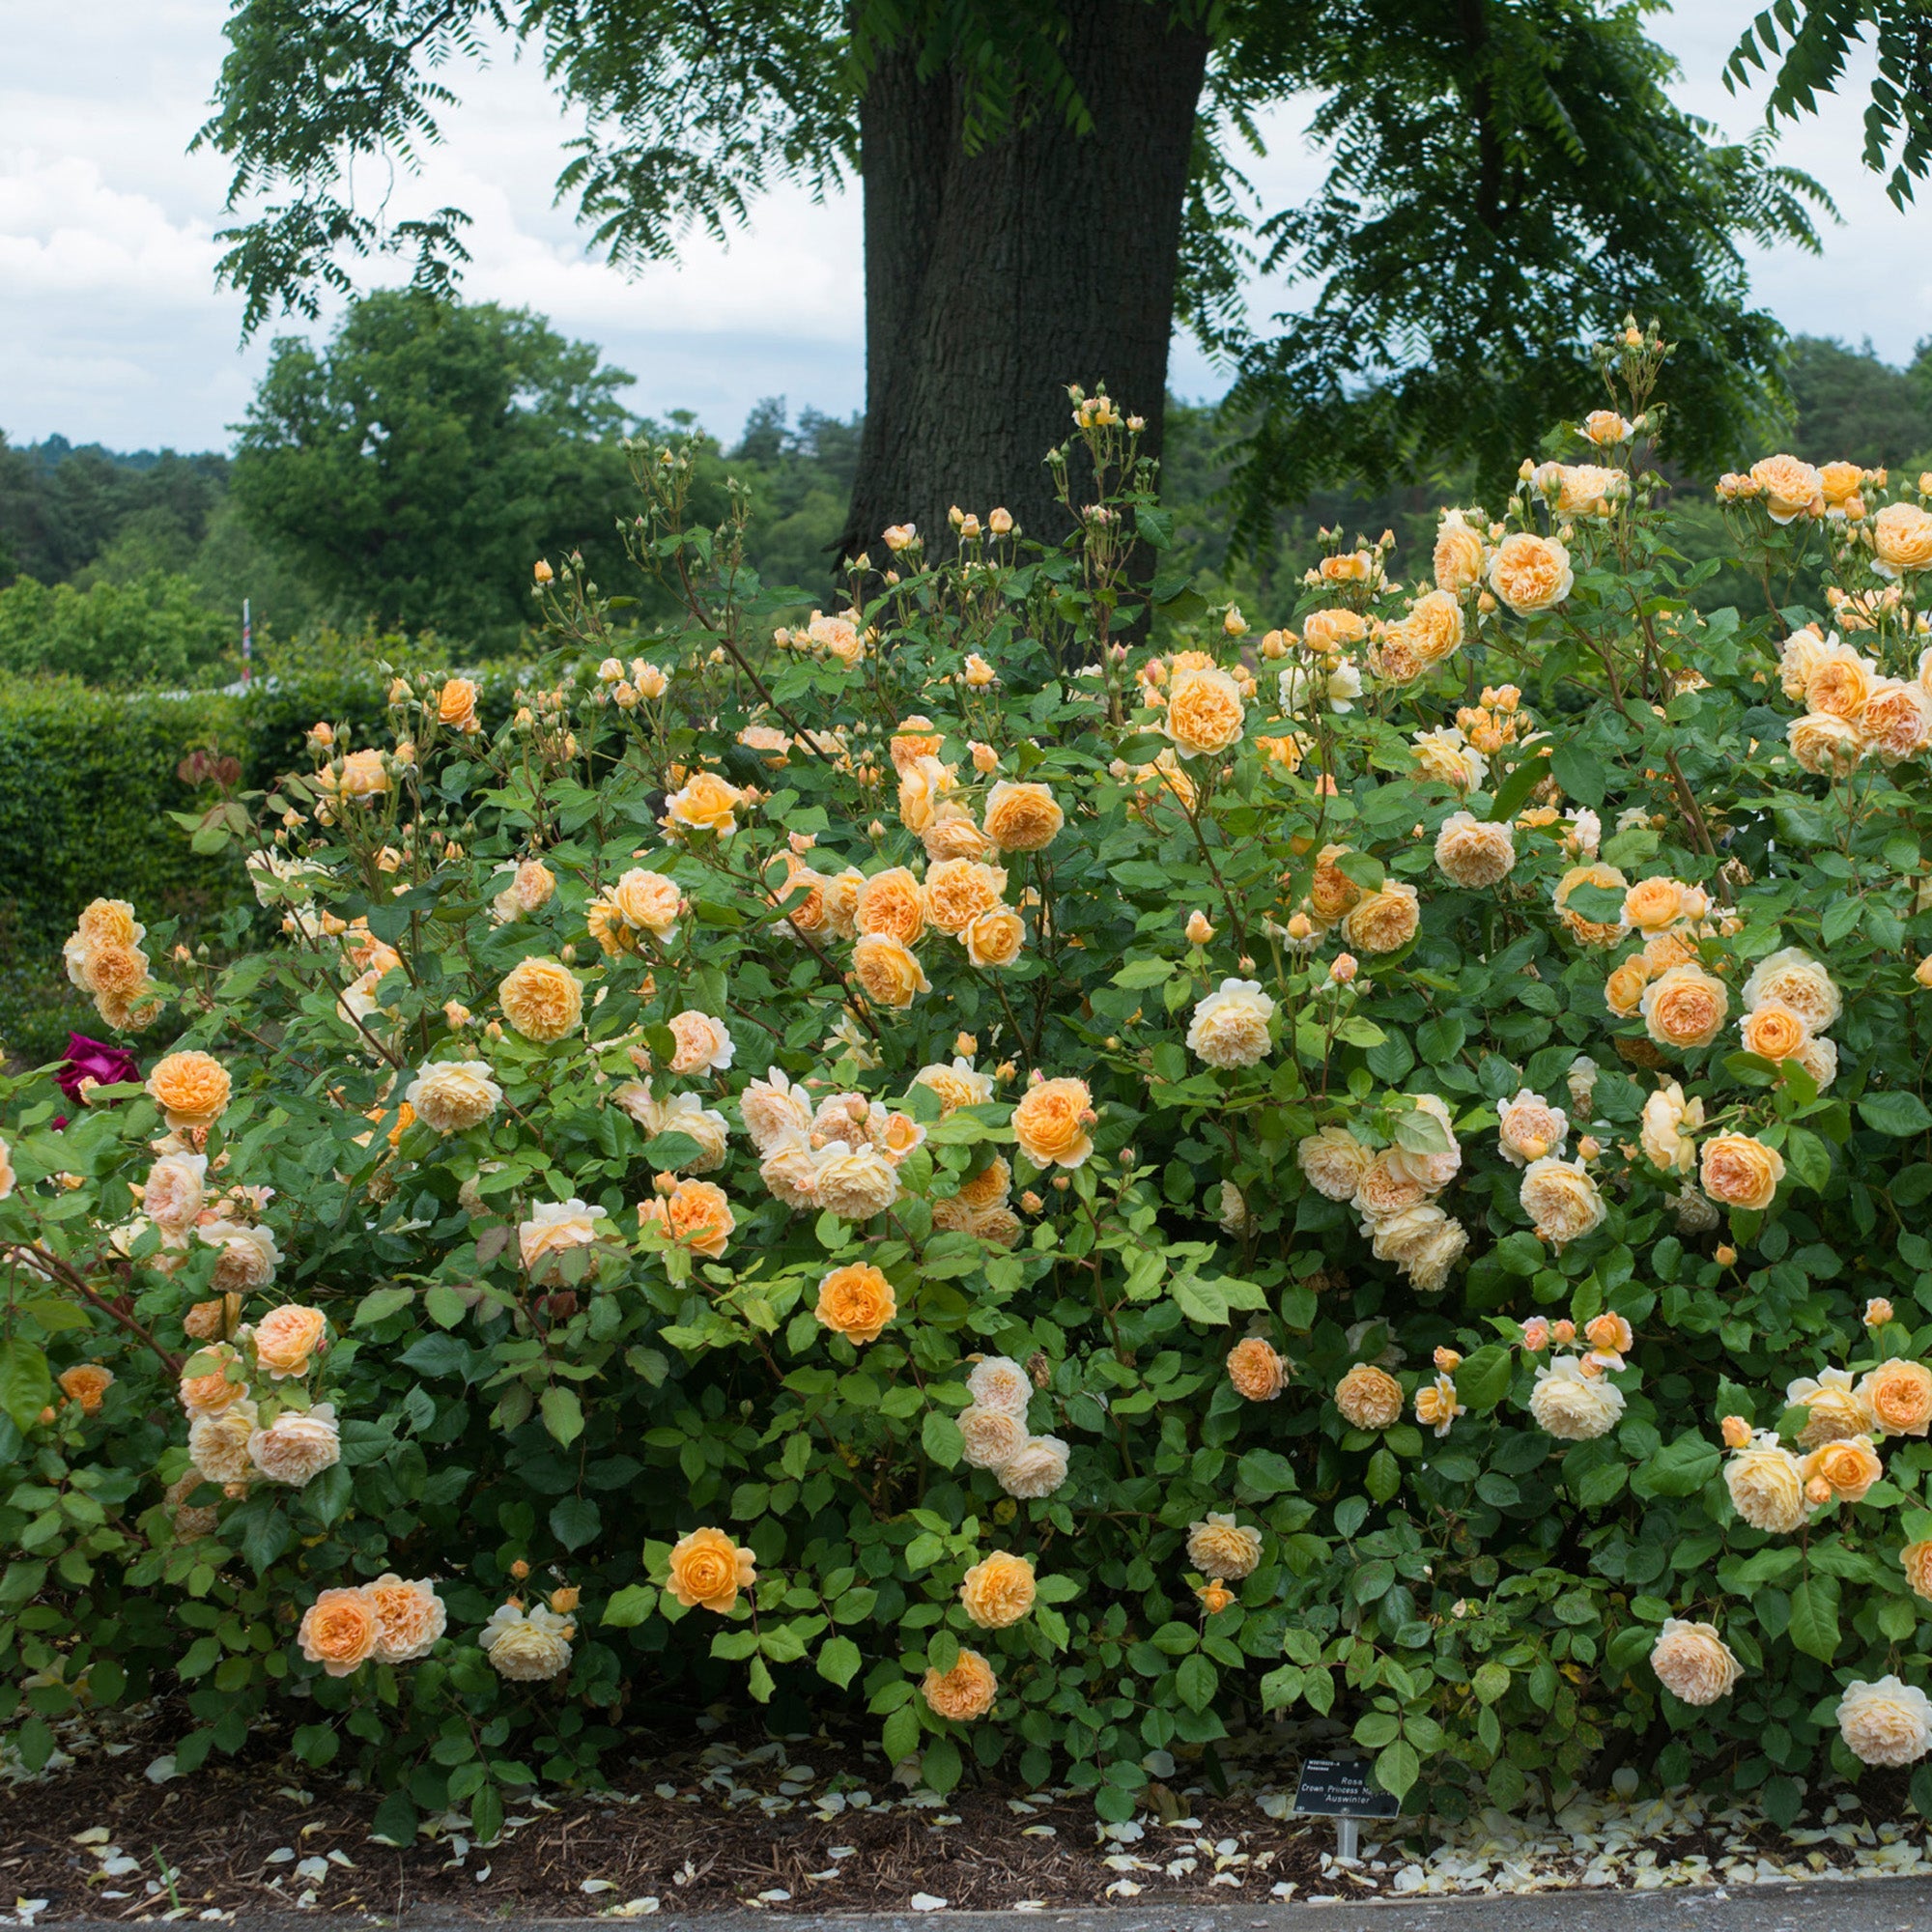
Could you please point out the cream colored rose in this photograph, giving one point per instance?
(1669, 1123)
(1793, 979)
(1916, 1557)
(1684, 1008)
(993, 1436)
(1901, 536)
(453, 1096)
(1530, 573)
(1474, 853)
(889, 971)
(1205, 713)
(1433, 628)
(1434, 1171)
(1446, 754)
(1693, 1662)
(297, 1446)
(175, 1189)
(1823, 744)
(541, 999)
(219, 1442)
(923, 784)
(1037, 1468)
(1222, 1548)
(1562, 1200)
(1837, 1413)
(1590, 932)
(1387, 1187)
(250, 1255)
(999, 1382)
(1571, 1405)
(1528, 1127)
(555, 1228)
(1740, 1172)
(1767, 1485)
(1429, 1256)
(1899, 1395)
(1886, 1722)
(1789, 489)
(1383, 920)
(1230, 1027)
(959, 1085)
(526, 1648)
(1369, 1398)
(1022, 818)
(1334, 1161)
(856, 1185)
(773, 1107)
(409, 1617)
(1798, 657)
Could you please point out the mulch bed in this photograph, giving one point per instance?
(726, 1821)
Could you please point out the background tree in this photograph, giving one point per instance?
(421, 461)
(1049, 186)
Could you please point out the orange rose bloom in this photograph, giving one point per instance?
(889, 971)
(995, 938)
(1684, 1008)
(1652, 904)
(856, 1301)
(210, 1393)
(965, 1692)
(915, 739)
(696, 1214)
(706, 803)
(456, 705)
(998, 1590)
(87, 1384)
(339, 1630)
(1774, 1033)
(890, 904)
(1623, 990)
(1848, 1469)
(191, 1088)
(1255, 1370)
(541, 999)
(708, 1569)
(1789, 488)
(1899, 1396)
(1917, 1560)
(1051, 1123)
(958, 891)
(1205, 713)
(990, 1186)
(409, 1617)
(1369, 1397)
(1740, 1172)
(1331, 892)
(1022, 818)
(287, 1338)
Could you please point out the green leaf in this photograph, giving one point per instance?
(1397, 1768)
(1680, 1468)
(1483, 1380)
(25, 1385)
(379, 1304)
(939, 1435)
(395, 1821)
(562, 1413)
(575, 1521)
(838, 1660)
(1580, 773)
(1265, 1472)
(1814, 1617)
(1894, 1113)
(630, 1607)
(1196, 1680)
(1808, 1159)
(486, 1815)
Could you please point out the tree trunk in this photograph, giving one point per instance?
(994, 280)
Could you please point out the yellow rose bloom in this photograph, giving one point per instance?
(856, 1301)
(707, 1570)
(998, 1591)
(541, 999)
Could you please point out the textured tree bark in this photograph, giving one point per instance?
(994, 280)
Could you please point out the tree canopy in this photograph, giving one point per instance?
(421, 461)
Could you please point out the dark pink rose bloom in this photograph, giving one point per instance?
(94, 1060)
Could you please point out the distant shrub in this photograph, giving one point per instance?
(155, 631)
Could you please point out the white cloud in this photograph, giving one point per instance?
(113, 328)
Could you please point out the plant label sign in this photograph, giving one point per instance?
(1346, 1792)
(1331, 1789)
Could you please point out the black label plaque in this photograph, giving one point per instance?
(1330, 1789)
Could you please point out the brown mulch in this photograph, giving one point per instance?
(218, 1831)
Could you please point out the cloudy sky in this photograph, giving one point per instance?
(112, 330)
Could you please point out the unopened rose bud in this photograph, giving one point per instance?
(1001, 522)
(1199, 931)
(1447, 1360)
(1005, 1071)
(1737, 1432)
(955, 515)
(1922, 972)
(610, 670)
(565, 1600)
(1344, 969)
(1536, 1334)
(1301, 928)
(1234, 624)
(455, 1015)
(1817, 1492)
(1247, 962)
(1563, 1333)
(1060, 1183)
(1588, 1148)
(985, 758)
(1030, 1203)
(965, 1045)
(1878, 1312)
(1726, 1254)
(542, 572)
(520, 1569)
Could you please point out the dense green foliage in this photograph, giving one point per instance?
(1401, 1144)
(153, 632)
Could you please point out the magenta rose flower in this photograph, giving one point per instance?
(93, 1059)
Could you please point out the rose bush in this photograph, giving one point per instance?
(1061, 1176)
